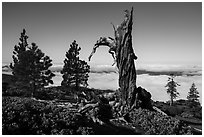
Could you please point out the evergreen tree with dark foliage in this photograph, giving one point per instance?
(193, 96)
(31, 66)
(171, 88)
(20, 48)
(75, 71)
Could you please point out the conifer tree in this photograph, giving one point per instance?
(31, 66)
(20, 48)
(171, 88)
(193, 95)
(75, 71)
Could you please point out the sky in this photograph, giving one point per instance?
(163, 33)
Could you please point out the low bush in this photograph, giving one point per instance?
(14, 91)
(49, 93)
(154, 123)
(186, 115)
(195, 112)
(24, 116)
(173, 110)
(104, 110)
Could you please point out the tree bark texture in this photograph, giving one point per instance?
(125, 60)
(124, 57)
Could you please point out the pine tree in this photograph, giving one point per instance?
(171, 88)
(193, 95)
(20, 48)
(75, 71)
(31, 66)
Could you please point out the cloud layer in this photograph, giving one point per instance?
(153, 79)
(154, 84)
(157, 69)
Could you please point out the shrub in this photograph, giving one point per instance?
(186, 115)
(196, 112)
(156, 123)
(19, 92)
(49, 93)
(104, 110)
(29, 117)
(173, 110)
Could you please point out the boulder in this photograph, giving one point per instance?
(144, 98)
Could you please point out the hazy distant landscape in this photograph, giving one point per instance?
(152, 77)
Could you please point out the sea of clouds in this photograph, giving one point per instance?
(106, 77)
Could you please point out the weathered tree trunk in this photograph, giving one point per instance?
(171, 101)
(124, 54)
(125, 61)
(121, 45)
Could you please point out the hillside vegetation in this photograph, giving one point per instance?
(54, 110)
